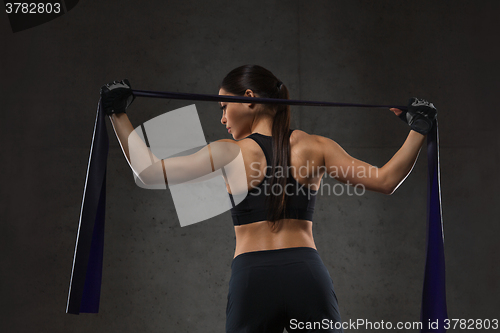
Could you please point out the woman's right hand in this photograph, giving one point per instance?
(396, 111)
(116, 96)
(421, 115)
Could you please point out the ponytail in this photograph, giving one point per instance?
(265, 84)
(281, 153)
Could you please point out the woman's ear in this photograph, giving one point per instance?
(250, 93)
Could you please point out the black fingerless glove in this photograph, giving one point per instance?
(116, 97)
(420, 116)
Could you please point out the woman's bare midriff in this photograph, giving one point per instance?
(259, 236)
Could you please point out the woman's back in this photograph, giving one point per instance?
(306, 168)
(306, 159)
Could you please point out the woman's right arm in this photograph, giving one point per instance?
(347, 169)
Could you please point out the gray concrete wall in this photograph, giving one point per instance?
(159, 277)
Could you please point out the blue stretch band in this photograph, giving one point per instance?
(85, 284)
(224, 98)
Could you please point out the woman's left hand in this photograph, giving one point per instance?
(116, 96)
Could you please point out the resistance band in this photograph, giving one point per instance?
(85, 284)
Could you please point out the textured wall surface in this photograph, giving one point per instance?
(159, 277)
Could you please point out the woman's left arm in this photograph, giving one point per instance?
(137, 154)
(152, 170)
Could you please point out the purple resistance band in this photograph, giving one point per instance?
(85, 284)
(224, 98)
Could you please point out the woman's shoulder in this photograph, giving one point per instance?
(312, 145)
(306, 145)
(298, 139)
(245, 145)
(306, 138)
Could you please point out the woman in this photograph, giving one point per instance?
(278, 279)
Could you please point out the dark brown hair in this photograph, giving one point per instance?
(263, 83)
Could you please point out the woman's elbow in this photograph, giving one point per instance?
(387, 188)
(153, 175)
(380, 188)
(390, 188)
(143, 181)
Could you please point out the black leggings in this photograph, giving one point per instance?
(276, 289)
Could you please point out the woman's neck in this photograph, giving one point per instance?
(263, 125)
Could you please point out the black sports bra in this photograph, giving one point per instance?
(254, 208)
